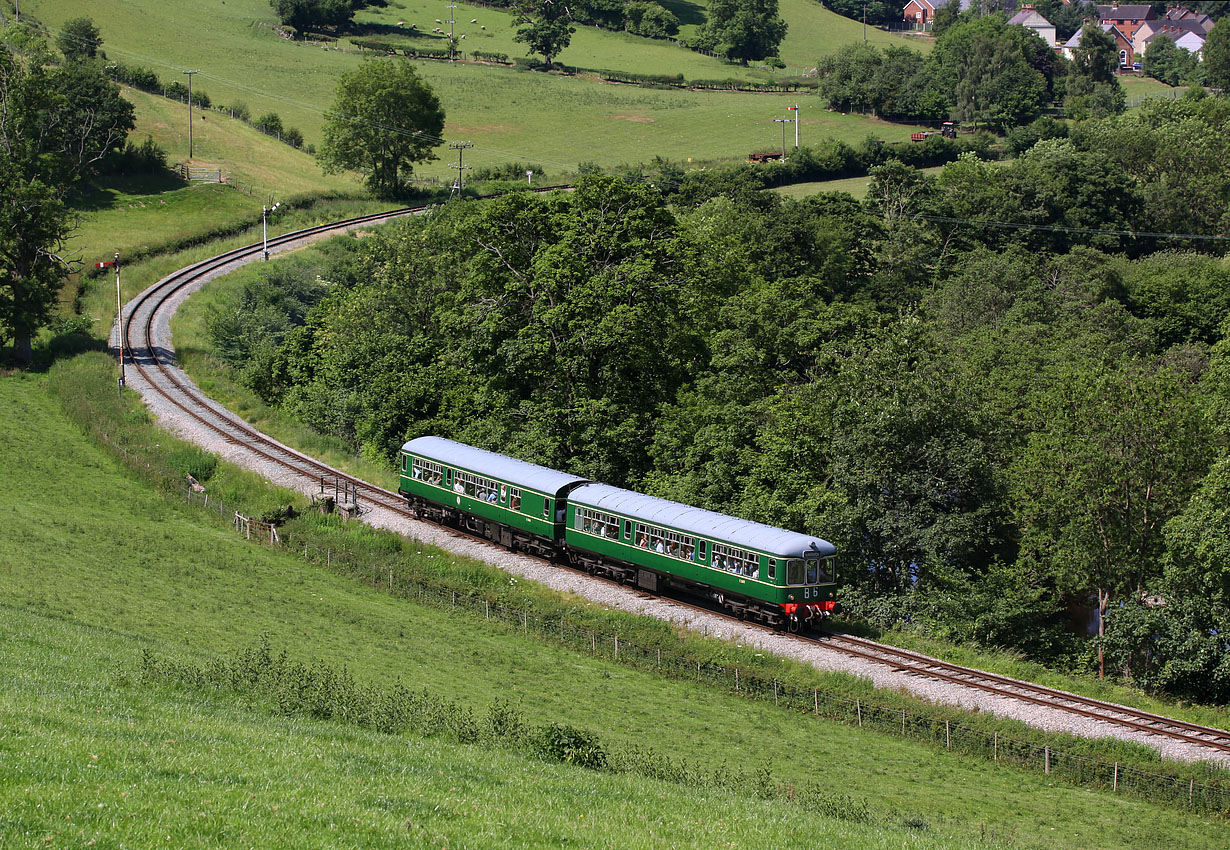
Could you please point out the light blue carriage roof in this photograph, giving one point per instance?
(491, 465)
(701, 523)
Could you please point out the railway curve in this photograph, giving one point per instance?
(172, 396)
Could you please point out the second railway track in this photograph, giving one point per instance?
(145, 329)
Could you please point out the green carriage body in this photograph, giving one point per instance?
(701, 548)
(751, 569)
(512, 494)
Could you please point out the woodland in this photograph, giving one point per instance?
(1001, 391)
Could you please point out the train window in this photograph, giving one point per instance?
(426, 471)
(737, 561)
(701, 550)
(627, 529)
(514, 499)
(772, 569)
(405, 459)
(813, 571)
(546, 508)
(483, 489)
(794, 572)
(665, 542)
(598, 523)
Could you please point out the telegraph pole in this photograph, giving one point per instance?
(190, 73)
(459, 183)
(452, 19)
(783, 122)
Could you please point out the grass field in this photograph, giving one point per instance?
(94, 567)
(510, 115)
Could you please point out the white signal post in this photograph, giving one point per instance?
(119, 315)
(795, 110)
(265, 210)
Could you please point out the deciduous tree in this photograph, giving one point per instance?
(385, 118)
(747, 30)
(546, 27)
(79, 39)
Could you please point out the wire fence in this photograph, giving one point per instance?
(1074, 769)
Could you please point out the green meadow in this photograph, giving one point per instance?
(552, 120)
(96, 567)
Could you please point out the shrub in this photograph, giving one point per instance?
(569, 745)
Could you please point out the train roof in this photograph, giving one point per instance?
(492, 465)
(702, 523)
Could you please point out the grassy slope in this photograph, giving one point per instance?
(118, 566)
(139, 214)
(87, 757)
(510, 115)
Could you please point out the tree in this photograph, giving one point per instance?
(747, 30)
(384, 119)
(79, 39)
(314, 14)
(1217, 56)
(1096, 57)
(1167, 62)
(1118, 454)
(58, 124)
(546, 27)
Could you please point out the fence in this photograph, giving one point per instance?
(942, 733)
(1133, 102)
(265, 532)
(200, 175)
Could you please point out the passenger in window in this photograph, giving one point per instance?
(643, 542)
(687, 553)
(458, 487)
(418, 472)
(659, 548)
(491, 497)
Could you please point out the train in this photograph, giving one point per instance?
(782, 579)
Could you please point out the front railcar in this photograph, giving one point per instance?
(778, 577)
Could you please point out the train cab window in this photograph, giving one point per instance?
(794, 571)
(819, 571)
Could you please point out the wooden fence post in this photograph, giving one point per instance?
(1046, 759)
(1115, 784)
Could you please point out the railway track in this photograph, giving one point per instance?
(146, 320)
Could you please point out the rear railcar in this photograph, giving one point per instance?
(516, 504)
(777, 577)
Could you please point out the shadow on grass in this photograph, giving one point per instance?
(685, 11)
(102, 192)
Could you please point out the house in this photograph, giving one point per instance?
(1029, 18)
(923, 11)
(1127, 53)
(1188, 33)
(1127, 19)
(1178, 13)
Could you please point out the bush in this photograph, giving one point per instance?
(190, 460)
(270, 124)
(146, 158)
(239, 110)
(569, 745)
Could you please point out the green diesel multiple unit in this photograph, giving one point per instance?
(777, 577)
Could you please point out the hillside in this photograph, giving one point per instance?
(100, 568)
(554, 121)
